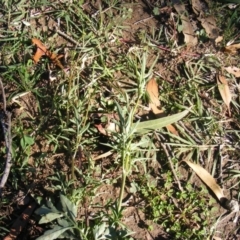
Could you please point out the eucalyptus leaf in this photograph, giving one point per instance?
(68, 206)
(43, 210)
(50, 217)
(53, 233)
(51, 206)
(63, 222)
(99, 230)
(69, 235)
(147, 126)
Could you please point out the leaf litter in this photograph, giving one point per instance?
(43, 51)
(231, 205)
(233, 70)
(154, 102)
(224, 90)
(232, 49)
(187, 28)
(208, 22)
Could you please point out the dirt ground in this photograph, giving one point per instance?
(134, 216)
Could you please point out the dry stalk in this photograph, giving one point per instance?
(5, 119)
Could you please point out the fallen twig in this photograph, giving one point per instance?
(5, 119)
(21, 222)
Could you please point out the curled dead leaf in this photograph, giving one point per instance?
(172, 129)
(42, 51)
(208, 22)
(101, 129)
(224, 91)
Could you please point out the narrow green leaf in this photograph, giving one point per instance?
(50, 217)
(147, 126)
(53, 233)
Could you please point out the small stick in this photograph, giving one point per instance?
(67, 37)
(5, 116)
(220, 163)
(3, 95)
(109, 153)
(143, 20)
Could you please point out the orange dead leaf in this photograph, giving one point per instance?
(172, 129)
(154, 104)
(152, 90)
(224, 91)
(42, 50)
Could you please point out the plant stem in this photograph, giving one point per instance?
(124, 176)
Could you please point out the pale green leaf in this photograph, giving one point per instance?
(63, 222)
(68, 206)
(43, 210)
(50, 217)
(53, 233)
(147, 126)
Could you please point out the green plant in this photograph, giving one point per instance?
(179, 212)
(65, 215)
(65, 224)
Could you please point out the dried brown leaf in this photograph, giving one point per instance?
(233, 70)
(152, 90)
(197, 6)
(172, 129)
(210, 26)
(154, 104)
(42, 50)
(224, 91)
(206, 177)
(232, 49)
(218, 39)
(189, 35)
